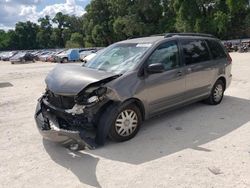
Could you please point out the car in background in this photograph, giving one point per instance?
(85, 53)
(68, 55)
(36, 53)
(46, 56)
(88, 57)
(22, 57)
(1, 55)
(41, 55)
(53, 58)
(92, 55)
(7, 55)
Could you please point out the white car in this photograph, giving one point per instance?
(89, 57)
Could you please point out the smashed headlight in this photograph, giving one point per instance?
(76, 110)
(100, 91)
(93, 99)
(91, 95)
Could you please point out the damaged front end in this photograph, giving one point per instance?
(73, 120)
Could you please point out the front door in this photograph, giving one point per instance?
(165, 89)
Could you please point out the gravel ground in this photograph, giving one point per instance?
(195, 146)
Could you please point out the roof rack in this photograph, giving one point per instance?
(158, 35)
(188, 34)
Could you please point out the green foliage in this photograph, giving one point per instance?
(98, 23)
(76, 41)
(26, 35)
(221, 21)
(187, 14)
(108, 21)
(43, 36)
(236, 6)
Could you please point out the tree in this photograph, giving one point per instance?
(247, 24)
(62, 23)
(128, 26)
(44, 34)
(76, 41)
(26, 32)
(236, 7)
(221, 21)
(168, 20)
(108, 21)
(98, 23)
(187, 12)
(4, 40)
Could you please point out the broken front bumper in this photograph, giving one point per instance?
(49, 128)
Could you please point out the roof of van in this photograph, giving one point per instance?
(154, 39)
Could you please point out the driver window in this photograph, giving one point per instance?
(166, 54)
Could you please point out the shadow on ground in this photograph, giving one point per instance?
(188, 127)
(82, 165)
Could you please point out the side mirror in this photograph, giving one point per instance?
(155, 68)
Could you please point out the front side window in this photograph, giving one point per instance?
(195, 51)
(166, 54)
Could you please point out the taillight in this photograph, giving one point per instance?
(229, 59)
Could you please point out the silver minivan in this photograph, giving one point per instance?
(129, 82)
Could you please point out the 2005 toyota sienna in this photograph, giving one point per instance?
(129, 82)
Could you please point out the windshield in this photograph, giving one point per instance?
(118, 58)
(85, 52)
(20, 54)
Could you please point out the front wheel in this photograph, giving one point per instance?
(65, 60)
(217, 93)
(126, 124)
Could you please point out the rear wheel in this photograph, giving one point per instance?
(217, 93)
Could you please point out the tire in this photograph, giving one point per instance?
(217, 93)
(65, 60)
(107, 123)
(126, 124)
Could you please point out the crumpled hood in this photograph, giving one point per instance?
(69, 80)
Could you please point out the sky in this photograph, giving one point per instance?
(12, 11)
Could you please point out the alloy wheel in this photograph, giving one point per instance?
(218, 93)
(126, 123)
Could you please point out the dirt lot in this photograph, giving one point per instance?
(196, 146)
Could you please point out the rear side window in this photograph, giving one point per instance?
(195, 51)
(216, 49)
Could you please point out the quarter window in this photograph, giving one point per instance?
(166, 54)
(216, 49)
(195, 51)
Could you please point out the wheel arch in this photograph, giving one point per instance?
(223, 79)
(138, 103)
(135, 101)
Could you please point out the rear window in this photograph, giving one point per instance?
(216, 49)
(195, 51)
